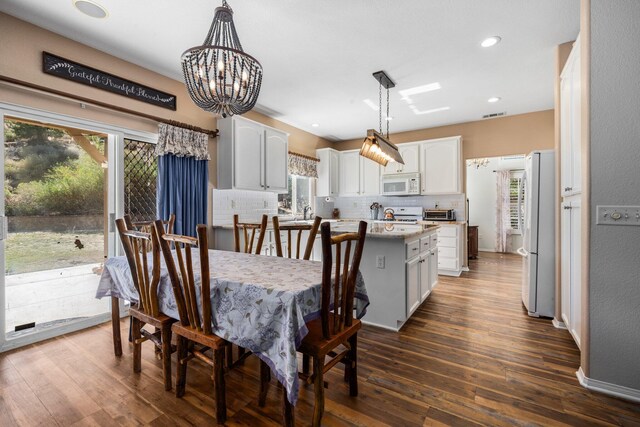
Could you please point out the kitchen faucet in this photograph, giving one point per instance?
(304, 212)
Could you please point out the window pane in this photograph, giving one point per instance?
(303, 192)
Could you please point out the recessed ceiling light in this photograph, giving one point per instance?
(371, 104)
(406, 93)
(490, 41)
(494, 99)
(433, 110)
(315, 125)
(90, 8)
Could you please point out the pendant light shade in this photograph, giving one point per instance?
(377, 148)
(219, 76)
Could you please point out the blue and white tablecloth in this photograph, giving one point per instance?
(260, 303)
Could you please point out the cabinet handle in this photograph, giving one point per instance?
(567, 207)
(268, 186)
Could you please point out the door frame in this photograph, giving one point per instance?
(115, 206)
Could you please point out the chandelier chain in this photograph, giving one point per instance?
(380, 106)
(387, 112)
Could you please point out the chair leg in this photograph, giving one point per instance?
(288, 416)
(181, 375)
(264, 383)
(158, 351)
(115, 326)
(318, 388)
(136, 325)
(218, 377)
(240, 354)
(305, 364)
(353, 365)
(166, 355)
(229, 352)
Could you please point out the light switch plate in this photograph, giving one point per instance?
(618, 215)
(380, 261)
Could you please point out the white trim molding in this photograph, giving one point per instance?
(615, 390)
(559, 324)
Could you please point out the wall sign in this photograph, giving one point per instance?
(66, 69)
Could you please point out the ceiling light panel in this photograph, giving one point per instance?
(371, 104)
(407, 93)
(433, 110)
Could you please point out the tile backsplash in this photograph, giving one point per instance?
(358, 207)
(249, 205)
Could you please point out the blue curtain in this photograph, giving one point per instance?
(182, 190)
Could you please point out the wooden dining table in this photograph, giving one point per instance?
(258, 302)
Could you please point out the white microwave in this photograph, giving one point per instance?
(401, 184)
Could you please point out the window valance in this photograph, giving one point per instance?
(302, 165)
(182, 142)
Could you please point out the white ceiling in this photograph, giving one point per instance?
(318, 56)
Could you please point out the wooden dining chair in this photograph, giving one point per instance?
(146, 278)
(194, 329)
(336, 328)
(249, 233)
(290, 230)
(146, 226)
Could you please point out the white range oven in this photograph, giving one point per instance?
(401, 184)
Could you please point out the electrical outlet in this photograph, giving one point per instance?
(233, 204)
(454, 204)
(266, 204)
(355, 204)
(380, 261)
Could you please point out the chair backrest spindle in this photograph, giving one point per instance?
(249, 239)
(300, 228)
(183, 279)
(342, 284)
(137, 247)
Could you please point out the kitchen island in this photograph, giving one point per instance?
(399, 265)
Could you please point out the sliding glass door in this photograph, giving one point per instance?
(64, 184)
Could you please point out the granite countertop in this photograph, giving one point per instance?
(374, 230)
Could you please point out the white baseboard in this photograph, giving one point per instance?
(615, 390)
(377, 325)
(559, 324)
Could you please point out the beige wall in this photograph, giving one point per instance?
(501, 136)
(24, 43)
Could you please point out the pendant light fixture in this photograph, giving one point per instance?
(219, 76)
(376, 146)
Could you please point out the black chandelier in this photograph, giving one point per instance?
(219, 76)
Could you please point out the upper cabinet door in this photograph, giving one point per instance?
(369, 177)
(248, 155)
(411, 156)
(276, 159)
(441, 166)
(350, 173)
(334, 171)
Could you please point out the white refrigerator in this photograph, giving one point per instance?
(538, 234)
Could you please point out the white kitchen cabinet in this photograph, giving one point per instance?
(358, 176)
(570, 124)
(441, 166)
(570, 269)
(413, 285)
(349, 173)
(328, 172)
(411, 155)
(425, 275)
(251, 156)
(276, 159)
(450, 249)
(369, 177)
(433, 268)
(248, 157)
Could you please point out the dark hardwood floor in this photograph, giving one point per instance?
(469, 356)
